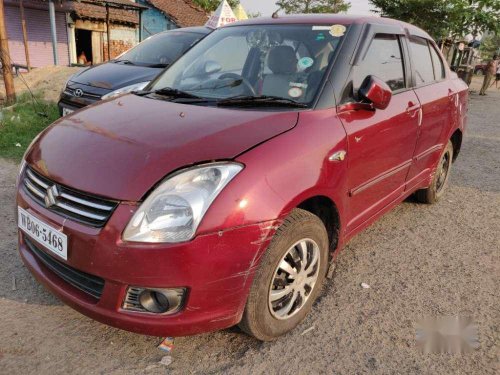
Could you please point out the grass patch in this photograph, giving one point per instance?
(22, 122)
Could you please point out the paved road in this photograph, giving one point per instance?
(418, 259)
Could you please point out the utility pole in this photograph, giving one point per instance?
(53, 32)
(140, 26)
(5, 58)
(25, 35)
(108, 31)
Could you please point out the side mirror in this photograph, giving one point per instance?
(212, 67)
(376, 91)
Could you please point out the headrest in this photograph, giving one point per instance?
(282, 60)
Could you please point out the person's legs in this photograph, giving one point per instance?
(486, 84)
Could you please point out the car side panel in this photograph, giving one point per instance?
(439, 107)
(463, 103)
(283, 172)
(381, 144)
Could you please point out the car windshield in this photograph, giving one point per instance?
(284, 64)
(160, 49)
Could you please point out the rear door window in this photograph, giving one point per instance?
(421, 61)
(383, 60)
(439, 72)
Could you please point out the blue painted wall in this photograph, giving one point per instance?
(154, 21)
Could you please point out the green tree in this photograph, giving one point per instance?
(475, 17)
(444, 18)
(211, 5)
(490, 44)
(313, 6)
(429, 15)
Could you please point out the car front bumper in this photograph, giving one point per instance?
(216, 269)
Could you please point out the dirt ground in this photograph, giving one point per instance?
(419, 260)
(48, 81)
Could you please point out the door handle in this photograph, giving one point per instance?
(451, 95)
(412, 107)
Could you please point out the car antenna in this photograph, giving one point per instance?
(275, 14)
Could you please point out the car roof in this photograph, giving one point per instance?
(331, 19)
(195, 29)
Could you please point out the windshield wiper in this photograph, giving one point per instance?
(159, 65)
(126, 62)
(262, 100)
(169, 92)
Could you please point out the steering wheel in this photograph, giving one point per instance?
(245, 81)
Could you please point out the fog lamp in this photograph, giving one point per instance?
(154, 300)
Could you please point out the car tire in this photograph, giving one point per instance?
(298, 242)
(440, 180)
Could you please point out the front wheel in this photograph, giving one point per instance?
(440, 180)
(289, 278)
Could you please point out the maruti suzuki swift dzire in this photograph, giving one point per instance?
(222, 192)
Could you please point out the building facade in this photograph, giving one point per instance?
(81, 26)
(87, 29)
(36, 14)
(169, 14)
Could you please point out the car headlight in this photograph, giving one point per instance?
(173, 211)
(125, 90)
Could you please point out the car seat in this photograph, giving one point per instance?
(282, 61)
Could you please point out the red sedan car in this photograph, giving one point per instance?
(221, 193)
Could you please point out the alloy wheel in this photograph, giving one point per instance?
(294, 279)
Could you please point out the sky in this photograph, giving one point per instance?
(267, 7)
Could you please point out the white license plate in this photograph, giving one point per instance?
(67, 111)
(47, 236)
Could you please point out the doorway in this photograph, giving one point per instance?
(83, 39)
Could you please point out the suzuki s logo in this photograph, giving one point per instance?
(51, 195)
(78, 93)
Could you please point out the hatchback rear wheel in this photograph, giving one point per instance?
(289, 278)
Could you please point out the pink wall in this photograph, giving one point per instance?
(39, 37)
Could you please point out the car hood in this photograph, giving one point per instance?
(121, 148)
(113, 76)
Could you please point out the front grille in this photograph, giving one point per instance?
(87, 95)
(74, 205)
(89, 284)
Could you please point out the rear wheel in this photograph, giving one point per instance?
(289, 278)
(440, 180)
